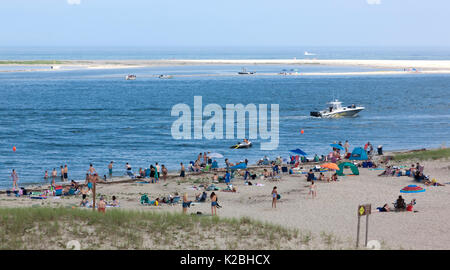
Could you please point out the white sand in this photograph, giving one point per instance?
(333, 211)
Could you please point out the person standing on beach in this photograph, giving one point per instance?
(66, 172)
(15, 179)
(312, 190)
(54, 174)
(91, 170)
(213, 198)
(183, 170)
(164, 172)
(62, 173)
(158, 169)
(346, 146)
(186, 203)
(274, 197)
(46, 175)
(110, 168)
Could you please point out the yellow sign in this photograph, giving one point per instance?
(364, 209)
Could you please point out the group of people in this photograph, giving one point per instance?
(64, 174)
(202, 198)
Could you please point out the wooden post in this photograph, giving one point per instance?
(367, 229)
(357, 231)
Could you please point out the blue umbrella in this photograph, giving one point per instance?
(299, 151)
(336, 146)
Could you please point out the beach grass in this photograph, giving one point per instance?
(53, 228)
(424, 155)
(30, 62)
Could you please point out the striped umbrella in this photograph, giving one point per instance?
(412, 189)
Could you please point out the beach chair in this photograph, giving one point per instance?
(175, 200)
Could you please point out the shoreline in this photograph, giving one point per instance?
(175, 174)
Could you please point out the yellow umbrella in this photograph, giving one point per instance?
(331, 166)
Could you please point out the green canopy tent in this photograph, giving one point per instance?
(343, 165)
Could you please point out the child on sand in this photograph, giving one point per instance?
(312, 190)
(84, 202)
(274, 197)
(102, 205)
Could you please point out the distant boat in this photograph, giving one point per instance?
(308, 53)
(245, 72)
(165, 76)
(130, 77)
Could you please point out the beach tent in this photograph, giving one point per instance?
(358, 154)
(352, 166)
(299, 151)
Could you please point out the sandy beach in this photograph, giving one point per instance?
(333, 211)
(387, 67)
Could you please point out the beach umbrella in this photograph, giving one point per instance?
(334, 145)
(332, 166)
(412, 189)
(215, 155)
(299, 151)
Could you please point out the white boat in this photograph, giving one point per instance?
(335, 110)
(130, 77)
(245, 72)
(162, 76)
(308, 53)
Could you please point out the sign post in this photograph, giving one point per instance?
(363, 210)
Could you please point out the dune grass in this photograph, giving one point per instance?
(53, 228)
(424, 155)
(30, 62)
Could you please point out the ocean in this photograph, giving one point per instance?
(78, 117)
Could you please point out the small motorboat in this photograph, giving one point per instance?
(130, 77)
(162, 76)
(245, 72)
(244, 144)
(335, 110)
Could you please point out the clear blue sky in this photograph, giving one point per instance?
(225, 23)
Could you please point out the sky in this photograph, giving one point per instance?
(245, 23)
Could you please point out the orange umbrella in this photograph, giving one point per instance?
(331, 166)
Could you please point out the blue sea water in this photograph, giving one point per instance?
(79, 117)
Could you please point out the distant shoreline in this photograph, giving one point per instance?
(394, 67)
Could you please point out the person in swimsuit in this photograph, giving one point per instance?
(164, 172)
(186, 203)
(110, 169)
(54, 174)
(312, 190)
(102, 205)
(84, 202)
(213, 198)
(46, 175)
(15, 179)
(66, 171)
(62, 173)
(183, 170)
(92, 170)
(274, 197)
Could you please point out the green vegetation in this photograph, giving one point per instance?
(424, 155)
(30, 62)
(52, 228)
